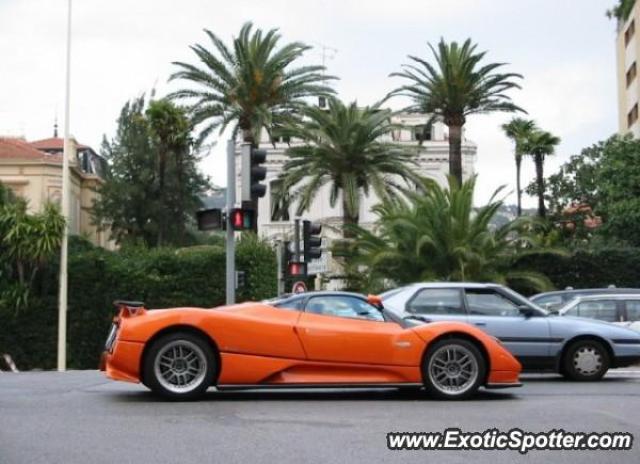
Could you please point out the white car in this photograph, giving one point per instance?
(619, 309)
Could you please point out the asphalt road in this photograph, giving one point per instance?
(81, 417)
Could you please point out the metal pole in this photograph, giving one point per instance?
(279, 256)
(231, 202)
(62, 294)
(296, 239)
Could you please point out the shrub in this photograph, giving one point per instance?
(159, 277)
(590, 268)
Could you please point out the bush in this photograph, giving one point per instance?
(590, 268)
(159, 277)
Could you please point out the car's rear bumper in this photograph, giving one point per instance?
(123, 363)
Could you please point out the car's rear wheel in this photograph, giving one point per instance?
(585, 360)
(179, 366)
(453, 369)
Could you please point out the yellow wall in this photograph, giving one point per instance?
(40, 181)
(626, 55)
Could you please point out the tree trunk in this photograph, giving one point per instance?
(347, 219)
(180, 187)
(539, 161)
(455, 151)
(162, 164)
(518, 189)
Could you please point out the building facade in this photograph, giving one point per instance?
(628, 62)
(431, 144)
(34, 171)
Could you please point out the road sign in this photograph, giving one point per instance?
(299, 287)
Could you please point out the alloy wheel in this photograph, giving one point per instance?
(180, 366)
(453, 369)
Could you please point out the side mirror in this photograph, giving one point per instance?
(375, 300)
(526, 311)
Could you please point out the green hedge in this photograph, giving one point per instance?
(590, 268)
(161, 278)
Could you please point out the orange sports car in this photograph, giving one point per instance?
(315, 339)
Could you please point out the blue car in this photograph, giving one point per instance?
(577, 348)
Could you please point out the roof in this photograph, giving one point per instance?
(17, 148)
(584, 291)
(214, 201)
(608, 296)
(287, 296)
(453, 285)
(53, 143)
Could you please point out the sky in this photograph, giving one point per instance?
(122, 49)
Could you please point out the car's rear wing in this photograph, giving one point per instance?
(129, 308)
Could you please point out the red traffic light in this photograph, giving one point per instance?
(241, 219)
(296, 269)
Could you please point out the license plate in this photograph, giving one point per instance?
(111, 338)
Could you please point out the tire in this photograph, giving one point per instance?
(585, 360)
(179, 366)
(453, 369)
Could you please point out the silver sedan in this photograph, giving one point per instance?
(578, 348)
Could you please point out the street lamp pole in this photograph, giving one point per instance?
(62, 301)
(231, 202)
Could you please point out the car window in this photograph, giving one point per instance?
(343, 306)
(437, 301)
(603, 310)
(490, 303)
(295, 304)
(572, 312)
(633, 310)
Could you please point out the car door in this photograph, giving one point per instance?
(438, 304)
(528, 338)
(347, 329)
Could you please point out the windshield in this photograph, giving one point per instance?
(524, 301)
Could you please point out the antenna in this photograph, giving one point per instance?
(330, 53)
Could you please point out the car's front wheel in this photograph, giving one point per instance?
(179, 366)
(585, 360)
(453, 369)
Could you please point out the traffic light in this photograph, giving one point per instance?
(209, 219)
(292, 267)
(312, 240)
(241, 279)
(241, 219)
(253, 173)
(297, 269)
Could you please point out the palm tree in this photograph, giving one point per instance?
(456, 87)
(437, 234)
(539, 145)
(27, 242)
(519, 130)
(342, 148)
(250, 85)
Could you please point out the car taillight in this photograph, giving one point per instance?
(111, 338)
